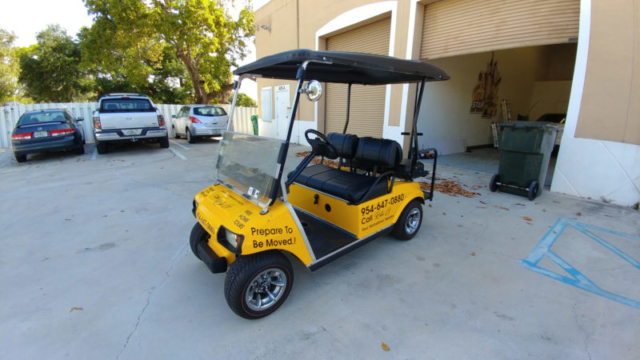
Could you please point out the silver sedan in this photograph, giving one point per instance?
(193, 121)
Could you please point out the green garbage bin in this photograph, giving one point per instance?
(254, 121)
(525, 149)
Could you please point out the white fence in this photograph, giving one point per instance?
(9, 115)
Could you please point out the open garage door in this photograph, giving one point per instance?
(457, 27)
(367, 102)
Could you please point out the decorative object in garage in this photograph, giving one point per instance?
(485, 93)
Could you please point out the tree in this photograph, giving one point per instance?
(9, 68)
(133, 36)
(50, 70)
(244, 100)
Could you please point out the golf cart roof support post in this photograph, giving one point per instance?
(302, 71)
(348, 108)
(414, 128)
(236, 89)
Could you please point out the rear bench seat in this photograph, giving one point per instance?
(365, 153)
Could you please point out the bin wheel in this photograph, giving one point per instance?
(493, 184)
(533, 190)
(256, 285)
(198, 235)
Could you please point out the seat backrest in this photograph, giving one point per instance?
(378, 152)
(346, 144)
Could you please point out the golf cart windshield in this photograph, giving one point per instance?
(247, 165)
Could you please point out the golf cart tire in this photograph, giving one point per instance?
(164, 142)
(242, 274)
(198, 235)
(406, 227)
(493, 184)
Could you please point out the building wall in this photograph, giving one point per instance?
(601, 170)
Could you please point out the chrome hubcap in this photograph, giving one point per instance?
(413, 221)
(266, 289)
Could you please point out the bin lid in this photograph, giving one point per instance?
(540, 125)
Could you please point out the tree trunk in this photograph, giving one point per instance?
(202, 96)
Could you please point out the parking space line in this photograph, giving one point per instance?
(95, 154)
(177, 143)
(176, 153)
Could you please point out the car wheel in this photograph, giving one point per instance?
(493, 184)
(533, 190)
(190, 138)
(198, 235)
(20, 158)
(164, 142)
(257, 285)
(175, 133)
(80, 149)
(409, 221)
(102, 148)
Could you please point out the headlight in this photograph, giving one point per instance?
(231, 241)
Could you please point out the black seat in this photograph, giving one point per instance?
(350, 186)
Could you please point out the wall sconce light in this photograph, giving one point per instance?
(266, 27)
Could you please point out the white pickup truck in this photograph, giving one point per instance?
(127, 117)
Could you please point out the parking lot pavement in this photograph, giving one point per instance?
(94, 263)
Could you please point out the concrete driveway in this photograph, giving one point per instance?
(94, 263)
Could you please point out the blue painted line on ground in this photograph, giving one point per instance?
(576, 278)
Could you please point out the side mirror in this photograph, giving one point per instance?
(79, 119)
(313, 90)
(174, 116)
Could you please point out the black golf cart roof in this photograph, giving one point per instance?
(343, 67)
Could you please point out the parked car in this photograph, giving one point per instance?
(195, 121)
(127, 117)
(47, 130)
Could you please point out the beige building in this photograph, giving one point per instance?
(579, 58)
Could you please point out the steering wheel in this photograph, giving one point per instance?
(321, 145)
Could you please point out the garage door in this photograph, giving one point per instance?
(457, 27)
(367, 102)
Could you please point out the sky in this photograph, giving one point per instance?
(28, 17)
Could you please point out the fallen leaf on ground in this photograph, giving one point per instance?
(67, 219)
(527, 218)
(76, 309)
(579, 214)
(448, 187)
(502, 207)
(430, 205)
(481, 207)
(385, 347)
(520, 204)
(473, 253)
(482, 202)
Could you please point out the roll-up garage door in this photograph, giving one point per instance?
(458, 27)
(367, 102)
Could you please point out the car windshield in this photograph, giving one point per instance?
(126, 105)
(41, 117)
(247, 164)
(209, 111)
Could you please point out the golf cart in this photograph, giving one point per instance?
(255, 212)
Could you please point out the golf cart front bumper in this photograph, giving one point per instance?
(215, 263)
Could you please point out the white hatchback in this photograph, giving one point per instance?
(194, 121)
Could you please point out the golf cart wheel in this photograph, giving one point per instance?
(198, 235)
(190, 138)
(175, 133)
(257, 285)
(409, 221)
(493, 184)
(533, 190)
(164, 142)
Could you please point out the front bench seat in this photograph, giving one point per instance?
(351, 186)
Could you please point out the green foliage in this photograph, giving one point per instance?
(244, 100)
(8, 66)
(50, 69)
(135, 40)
